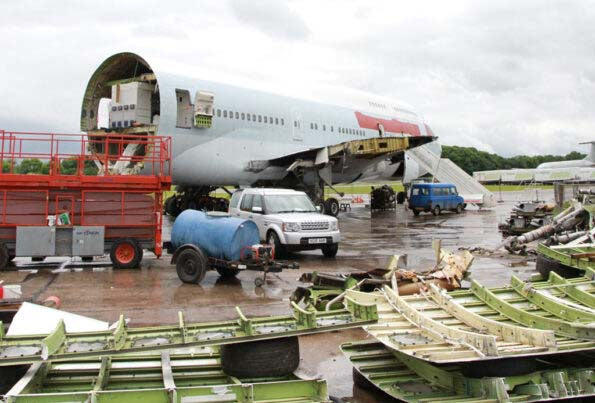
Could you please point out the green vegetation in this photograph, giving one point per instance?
(36, 166)
(471, 159)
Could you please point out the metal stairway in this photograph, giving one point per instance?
(444, 170)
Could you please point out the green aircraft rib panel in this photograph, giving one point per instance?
(574, 289)
(568, 311)
(413, 380)
(193, 376)
(60, 345)
(530, 319)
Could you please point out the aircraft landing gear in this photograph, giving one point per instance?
(196, 198)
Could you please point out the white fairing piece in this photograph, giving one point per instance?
(37, 319)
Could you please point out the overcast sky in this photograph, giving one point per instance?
(510, 77)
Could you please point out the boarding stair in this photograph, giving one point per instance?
(444, 170)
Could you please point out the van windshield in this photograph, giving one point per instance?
(288, 203)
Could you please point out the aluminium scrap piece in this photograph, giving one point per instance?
(447, 273)
(188, 375)
(413, 380)
(524, 319)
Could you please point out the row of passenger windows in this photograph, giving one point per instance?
(344, 130)
(280, 121)
(250, 117)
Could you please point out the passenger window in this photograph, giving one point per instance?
(294, 123)
(231, 114)
(276, 121)
(248, 116)
(331, 128)
(246, 203)
(282, 122)
(270, 120)
(265, 120)
(311, 126)
(218, 113)
(256, 202)
(237, 115)
(243, 116)
(425, 192)
(315, 126)
(235, 198)
(259, 118)
(323, 128)
(224, 114)
(253, 117)
(414, 192)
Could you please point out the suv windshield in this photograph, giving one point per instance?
(288, 203)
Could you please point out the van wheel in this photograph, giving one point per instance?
(436, 210)
(459, 209)
(262, 358)
(331, 250)
(191, 266)
(273, 239)
(125, 254)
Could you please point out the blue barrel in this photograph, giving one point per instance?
(219, 235)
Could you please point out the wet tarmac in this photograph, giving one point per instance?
(153, 294)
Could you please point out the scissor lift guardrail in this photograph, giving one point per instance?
(60, 345)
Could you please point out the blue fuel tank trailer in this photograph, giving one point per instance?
(217, 234)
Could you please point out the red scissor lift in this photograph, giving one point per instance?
(112, 182)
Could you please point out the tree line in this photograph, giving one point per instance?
(471, 159)
(36, 166)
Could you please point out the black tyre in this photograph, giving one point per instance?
(331, 250)
(226, 272)
(436, 210)
(545, 265)
(191, 266)
(401, 196)
(331, 207)
(125, 254)
(273, 239)
(361, 381)
(500, 368)
(4, 257)
(415, 212)
(263, 358)
(459, 208)
(171, 206)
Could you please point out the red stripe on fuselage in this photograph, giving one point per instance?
(393, 125)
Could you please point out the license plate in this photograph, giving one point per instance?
(316, 240)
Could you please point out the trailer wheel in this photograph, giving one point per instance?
(227, 272)
(191, 266)
(125, 254)
(4, 257)
(260, 359)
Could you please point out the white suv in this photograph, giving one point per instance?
(287, 219)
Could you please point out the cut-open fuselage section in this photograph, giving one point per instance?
(122, 97)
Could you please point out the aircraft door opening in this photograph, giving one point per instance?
(298, 126)
(184, 109)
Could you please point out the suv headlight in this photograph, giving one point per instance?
(334, 226)
(291, 227)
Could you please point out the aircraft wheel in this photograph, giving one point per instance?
(331, 207)
(401, 196)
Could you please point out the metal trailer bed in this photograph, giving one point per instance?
(103, 202)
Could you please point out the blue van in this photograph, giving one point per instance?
(435, 197)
